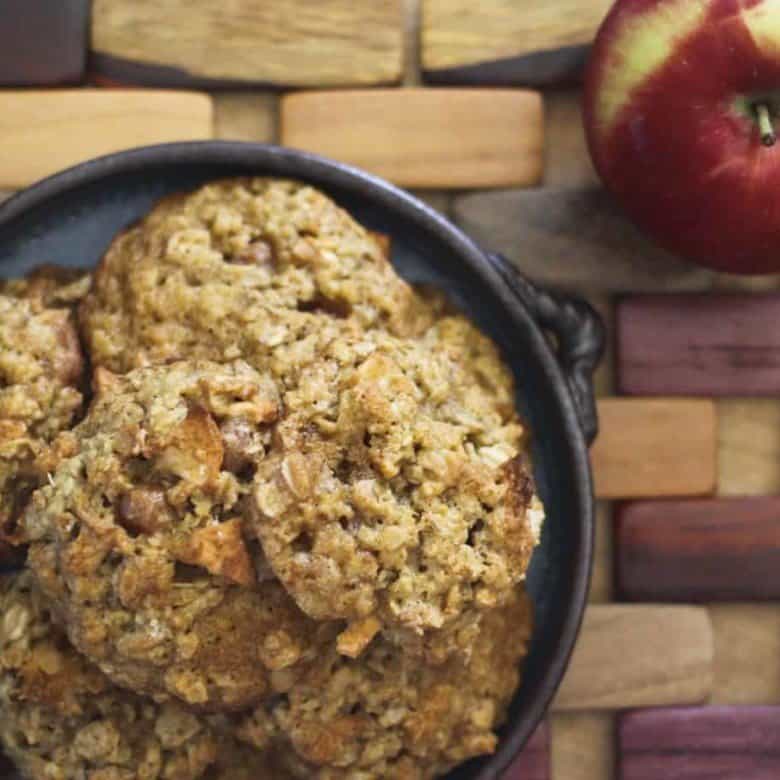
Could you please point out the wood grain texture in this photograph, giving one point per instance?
(44, 131)
(695, 551)
(650, 448)
(712, 345)
(748, 447)
(411, 56)
(42, 42)
(506, 42)
(567, 160)
(246, 116)
(582, 745)
(574, 239)
(639, 656)
(327, 43)
(534, 761)
(425, 138)
(700, 743)
(602, 574)
(747, 649)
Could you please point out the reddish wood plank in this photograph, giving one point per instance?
(714, 345)
(702, 743)
(699, 550)
(534, 761)
(43, 42)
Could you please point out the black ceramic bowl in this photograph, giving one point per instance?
(70, 218)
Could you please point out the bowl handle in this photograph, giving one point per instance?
(579, 333)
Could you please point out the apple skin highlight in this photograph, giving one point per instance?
(672, 121)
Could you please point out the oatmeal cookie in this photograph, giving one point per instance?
(61, 718)
(51, 285)
(41, 367)
(138, 540)
(395, 494)
(387, 716)
(250, 268)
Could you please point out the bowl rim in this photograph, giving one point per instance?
(283, 161)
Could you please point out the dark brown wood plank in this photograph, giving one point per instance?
(534, 761)
(699, 550)
(7, 769)
(713, 345)
(573, 238)
(43, 42)
(703, 743)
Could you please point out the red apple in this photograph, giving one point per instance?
(681, 101)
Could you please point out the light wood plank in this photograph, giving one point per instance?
(747, 649)
(583, 746)
(426, 138)
(655, 447)
(469, 40)
(411, 67)
(602, 576)
(323, 43)
(246, 116)
(44, 131)
(639, 656)
(567, 159)
(748, 447)
(735, 283)
(573, 238)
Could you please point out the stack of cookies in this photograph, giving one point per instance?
(281, 529)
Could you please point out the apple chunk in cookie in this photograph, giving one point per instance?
(138, 541)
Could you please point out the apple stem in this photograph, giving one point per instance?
(765, 126)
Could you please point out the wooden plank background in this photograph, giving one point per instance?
(550, 217)
(199, 42)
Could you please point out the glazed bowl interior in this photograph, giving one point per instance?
(70, 219)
